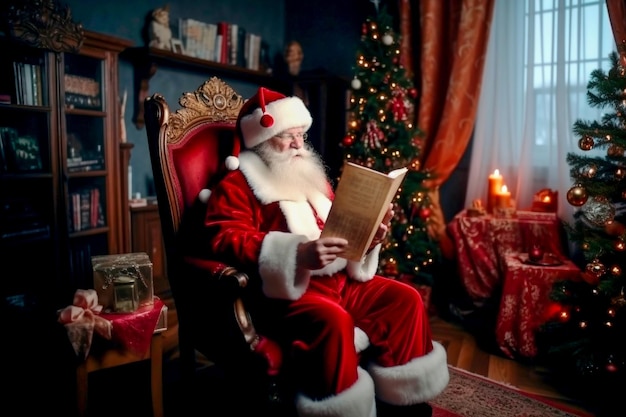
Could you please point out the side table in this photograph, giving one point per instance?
(525, 296)
(118, 355)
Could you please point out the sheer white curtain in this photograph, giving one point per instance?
(540, 56)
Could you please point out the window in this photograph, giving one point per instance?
(539, 60)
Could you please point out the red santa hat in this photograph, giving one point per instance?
(264, 115)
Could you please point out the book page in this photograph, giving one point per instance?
(361, 200)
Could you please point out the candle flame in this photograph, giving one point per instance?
(546, 199)
(504, 189)
(496, 172)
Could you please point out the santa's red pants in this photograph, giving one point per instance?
(319, 327)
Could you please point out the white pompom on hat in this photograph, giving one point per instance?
(265, 115)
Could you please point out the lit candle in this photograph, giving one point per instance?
(495, 184)
(503, 198)
(546, 199)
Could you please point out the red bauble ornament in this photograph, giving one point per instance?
(413, 92)
(347, 140)
(615, 228)
(589, 278)
(424, 213)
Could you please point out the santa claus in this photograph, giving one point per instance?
(358, 344)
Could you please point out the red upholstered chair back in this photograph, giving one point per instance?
(188, 150)
(189, 147)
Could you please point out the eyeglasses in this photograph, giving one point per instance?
(293, 136)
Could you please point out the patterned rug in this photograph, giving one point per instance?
(472, 395)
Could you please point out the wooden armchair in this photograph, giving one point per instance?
(188, 148)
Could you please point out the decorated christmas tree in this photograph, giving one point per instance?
(382, 135)
(584, 336)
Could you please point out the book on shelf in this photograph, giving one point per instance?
(209, 33)
(21, 152)
(223, 36)
(86, 212)
(252, 51)
(222, 42)
(28, 83)
(81, 92)
(79, 164)
(361, 201)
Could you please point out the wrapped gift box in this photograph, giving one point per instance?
(109, 268)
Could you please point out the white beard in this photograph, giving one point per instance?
(296, 170)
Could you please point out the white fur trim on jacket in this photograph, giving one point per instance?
(364, 269)
(417, 381)
(300, 219)
(277, 266)
(356, 401)
(288, 112)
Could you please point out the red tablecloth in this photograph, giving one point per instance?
(134, 330)
(525, 296)
(482, 241)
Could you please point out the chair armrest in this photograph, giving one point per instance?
(229, 277)
(233, 281)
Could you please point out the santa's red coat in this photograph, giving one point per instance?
(257, 227)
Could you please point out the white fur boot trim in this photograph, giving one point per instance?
(356, 401)
(417, 381)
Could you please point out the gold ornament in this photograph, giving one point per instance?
(615, 151)
(586, 143)
(577, 195)
(596, 268)
(590, 171)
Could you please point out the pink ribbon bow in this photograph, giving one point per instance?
(81, 319)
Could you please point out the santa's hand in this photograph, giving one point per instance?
(383, 228)
(316, 254)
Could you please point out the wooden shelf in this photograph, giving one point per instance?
(146, 61)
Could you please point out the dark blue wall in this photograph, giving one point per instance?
(126, 19)
(328, 30)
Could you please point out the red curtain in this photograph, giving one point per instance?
(450, 48)
(617, 15)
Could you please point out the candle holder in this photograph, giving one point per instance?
(546, 201)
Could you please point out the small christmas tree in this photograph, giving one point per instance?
(584, 336)
(382, 135)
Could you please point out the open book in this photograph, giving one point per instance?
(361, 201)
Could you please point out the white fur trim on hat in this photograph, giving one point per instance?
(287, 113)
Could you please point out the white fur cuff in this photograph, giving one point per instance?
(277, 266)
(417, 381)
(356, 401)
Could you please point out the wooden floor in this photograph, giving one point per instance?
(466, 353)
(465, 350)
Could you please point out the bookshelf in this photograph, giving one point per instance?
(59, 172)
